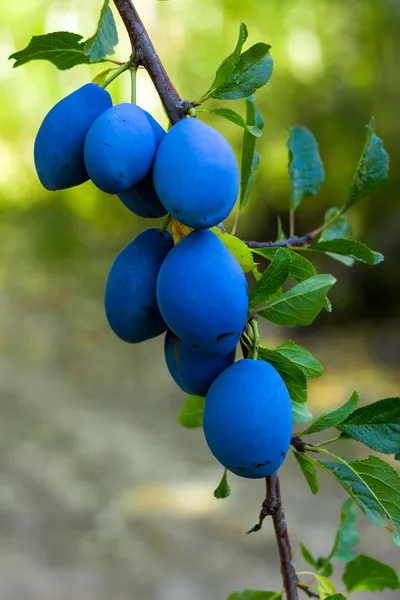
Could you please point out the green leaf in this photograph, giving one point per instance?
(325, 586)
(306, 172)
(301, 304)
(223, 490)
(309, 471)
(357, 489)
(338, 229)
(252, 71)
(351, 248)
(293, 377)
(372, 169)
(281, 234)
(300, 268)
(300, 413)
(366, 573)
(336, 597)
(102, 76)
(384, 483)
(254, 595)
(310, 366)
(273, 278)
(234, 117)
(308, 557)
(62, 48)
(105, 39)
(347, 535)
(377, 425)
(240, 251)
(191, 415)
(333, 416)
(227, 66)
(250, 159)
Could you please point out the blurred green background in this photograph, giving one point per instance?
(101, 493)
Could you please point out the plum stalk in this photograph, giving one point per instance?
(145, 55)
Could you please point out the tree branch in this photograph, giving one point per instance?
(144, 54)
(272, 506)
(291, 241)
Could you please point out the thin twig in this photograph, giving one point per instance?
(310, 593)
(291, 241)
(291, 222)
(272, 506)
(144, 54)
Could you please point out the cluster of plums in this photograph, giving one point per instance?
(195, 291)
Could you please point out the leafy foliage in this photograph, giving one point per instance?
(347, 535)
(291, 374)
(351, 248)
(303, 358)
(250, 159)
(191, 415)
(234, 117)
(300, 413)
(254, 595)
(333, 416)
(306, 172)
(240, 251)
(301, 304)
(106, 37)
(366, 573)
(372, 169)
(377, 425)
(309, 471)
(62, 48)
(273, 278)
(223, 490)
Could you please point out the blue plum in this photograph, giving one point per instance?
(119, 148)
(202, 293)
(196, 174)
(142, 198)
(248, 419)
(60, 141)
(194, 371)
(130, 296)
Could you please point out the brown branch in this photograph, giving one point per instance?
(144, 54)
(272, 506)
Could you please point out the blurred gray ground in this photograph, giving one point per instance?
(102, 494)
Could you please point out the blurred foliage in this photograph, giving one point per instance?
(335, 66)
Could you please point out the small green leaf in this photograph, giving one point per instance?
(308, 557)
(301, 304)
(281, 234)
(105, 39)
(62, 48)
(384, 483)
(223, 490)
(377, 425)
(372, 169)
(309, 471)
(250, 159)
(191, 415)
(336, 597)
(252, 71)
(333, 416)
(254, 595)
(300, 413)
(366, 573)
(240, 251)
(310, 366)
(306, 172)
(293, 377)
(338, 229)
(351, 248)
(273, 278)
(300, 268)
(227, 66)
(325, 586)
(347, 535)
(102, 76)
(234, 117)
(357, 489)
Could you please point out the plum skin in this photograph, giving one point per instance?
(119, 148)
(196, 175)
(130, 295)
(192, 370)
(248, 419)
(142, 199)
(59, 143)
(202, 293)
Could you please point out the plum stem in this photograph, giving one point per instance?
(133, 85)
(115, 73)
(145, 55)
(272, 507)
(256, 336)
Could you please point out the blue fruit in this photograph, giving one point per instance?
(142, 198)
(202, 293)
(194, 371)
(119, 148)
(196, 174)
(248, 419)
(130, 297)
(60, 140)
